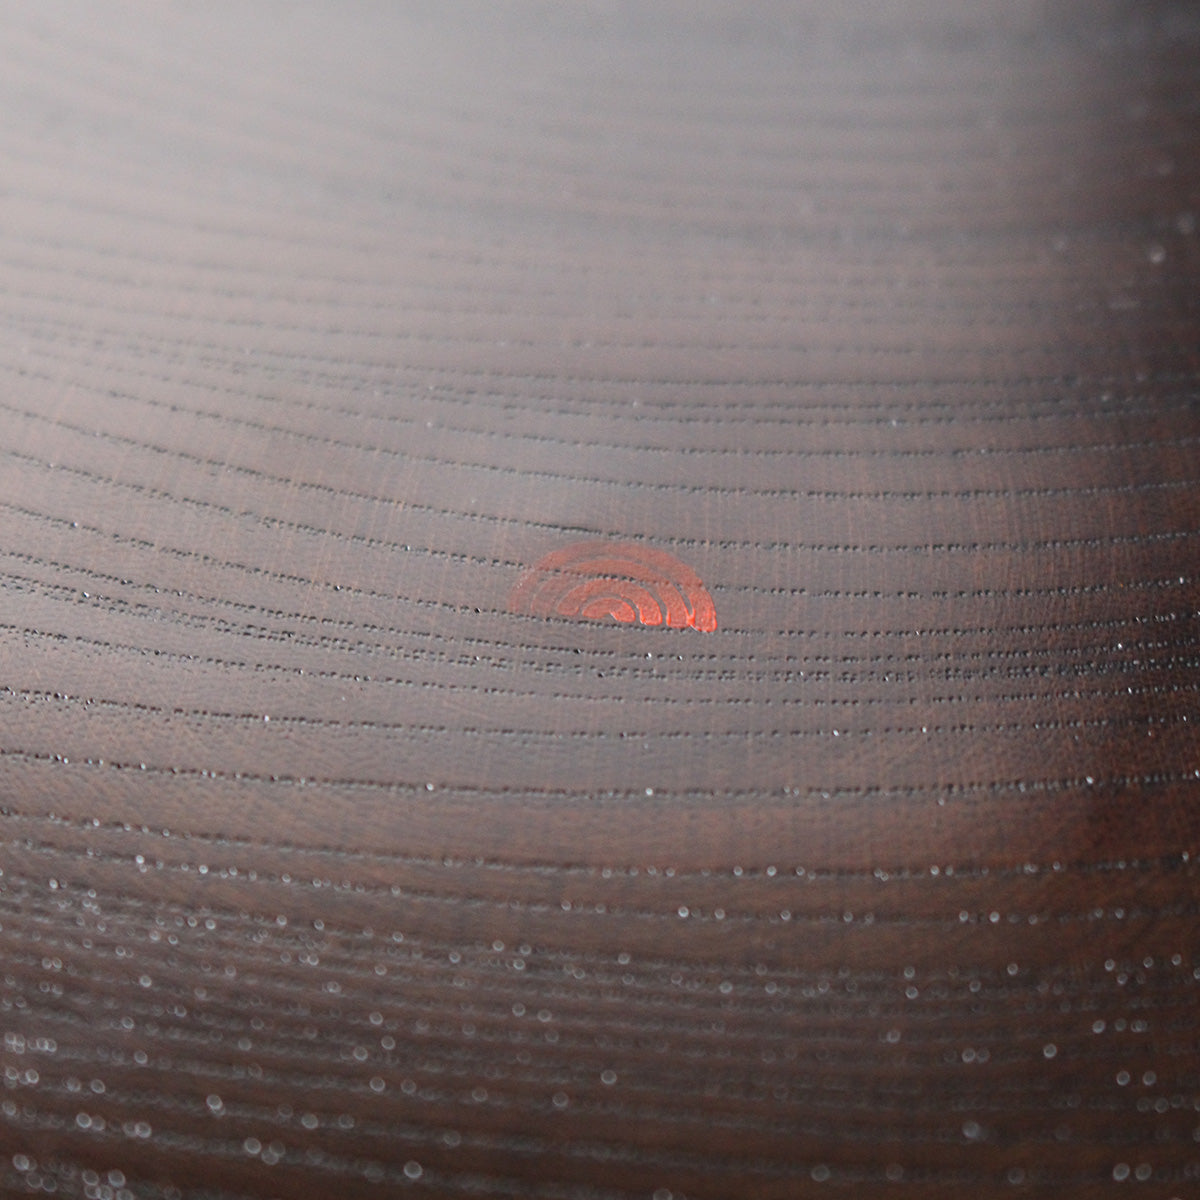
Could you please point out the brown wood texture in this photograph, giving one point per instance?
(326, 873)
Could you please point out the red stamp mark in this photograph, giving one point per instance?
(615, 581)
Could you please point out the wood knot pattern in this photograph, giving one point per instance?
(604, 580)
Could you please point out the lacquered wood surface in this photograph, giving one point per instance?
(332, 866)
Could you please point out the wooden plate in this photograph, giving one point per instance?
(334, 864)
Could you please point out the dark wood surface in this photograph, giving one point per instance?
(327, 873)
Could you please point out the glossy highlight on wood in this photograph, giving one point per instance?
(621, 581)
